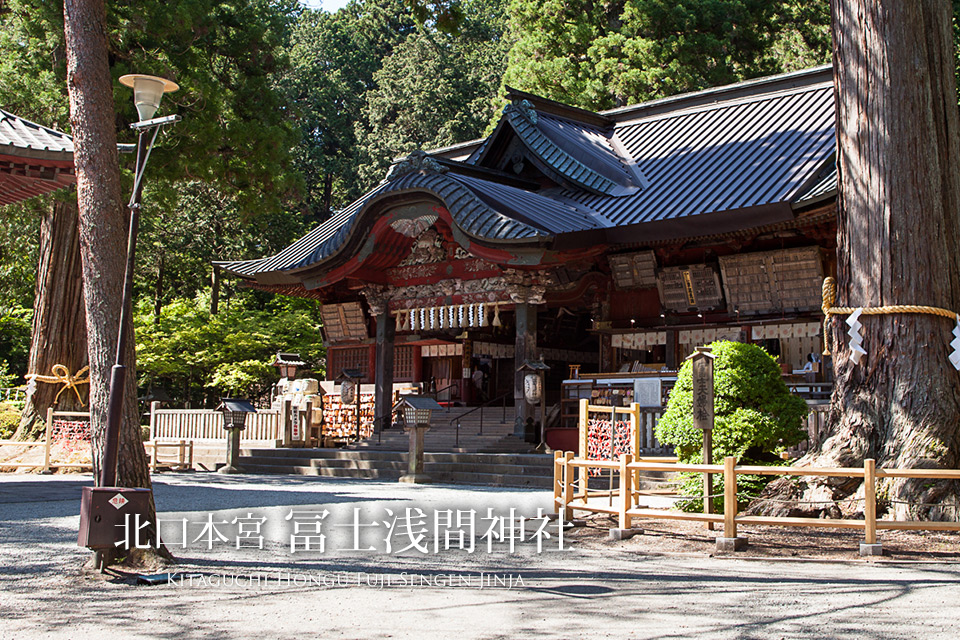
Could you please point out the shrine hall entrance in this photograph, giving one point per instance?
(445, 372)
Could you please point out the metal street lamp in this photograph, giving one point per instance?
(147, 93)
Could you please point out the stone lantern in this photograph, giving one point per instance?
(416, 411)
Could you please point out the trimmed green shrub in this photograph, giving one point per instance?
(9, 420)
(755, 416)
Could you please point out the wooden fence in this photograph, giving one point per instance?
(183, 455)
(207, 425)
(571, 492)
(47, 465)
(641, 423)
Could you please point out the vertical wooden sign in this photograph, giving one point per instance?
(702, 364)
(703, 388)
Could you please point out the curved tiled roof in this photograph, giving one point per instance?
(33, 159)
(715, 161)
(30, 139)
(480, 208)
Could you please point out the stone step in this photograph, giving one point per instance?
(443, 457)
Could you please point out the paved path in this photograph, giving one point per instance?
(271, 593)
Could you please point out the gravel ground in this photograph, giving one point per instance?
(664, 584)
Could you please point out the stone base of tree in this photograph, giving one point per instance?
(875, 549)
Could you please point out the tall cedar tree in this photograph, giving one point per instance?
(102, 224)
(234, 135)
(898, 134)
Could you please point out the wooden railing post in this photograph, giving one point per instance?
(729, 497)
(626, 493)
(635, 428)
(190, 455)
(730, 541)
(182, 454)
(870, 500)
(286, 424)
(48, 435)
(583, 425)
(567, 486)
(154, 454)
(557, 480)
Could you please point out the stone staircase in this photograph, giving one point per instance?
(496, 437)
(494, 457)
(489, 469)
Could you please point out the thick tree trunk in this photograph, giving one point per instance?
(898, 236)
(158, 292)
(103, 230)
(59, 322)
(215, 291)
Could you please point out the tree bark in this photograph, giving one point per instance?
(158, 291)
(898, 235)
(215, 291)
(103, 231)
(59, 325)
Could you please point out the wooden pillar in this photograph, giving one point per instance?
(607, 363)
(525, 349)
(383, 393)
(671, 351)
(417, 364)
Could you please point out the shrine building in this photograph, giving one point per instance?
(33, 159)
(608, 244)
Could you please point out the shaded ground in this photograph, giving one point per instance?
(664, 584)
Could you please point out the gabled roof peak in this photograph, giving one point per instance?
(552, 107)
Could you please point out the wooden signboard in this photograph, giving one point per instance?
(634, 270)
(771, 281)
(702, 362)
(690, 288)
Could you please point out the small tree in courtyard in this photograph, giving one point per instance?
(755, 416)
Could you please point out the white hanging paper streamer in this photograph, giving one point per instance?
(471, 316)
(955, 343)
(856, 340)
(462, 316)
(483, 315)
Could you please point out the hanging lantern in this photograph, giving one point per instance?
(348, 392)
(532, 388)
